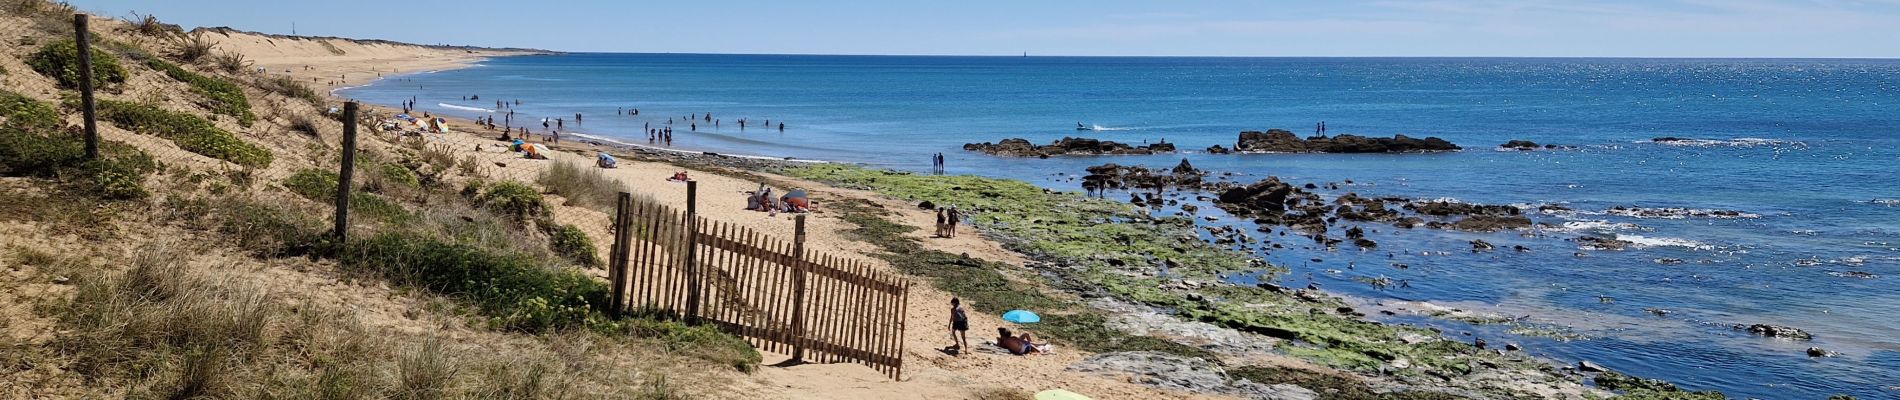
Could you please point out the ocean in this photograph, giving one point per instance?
(1805, 151)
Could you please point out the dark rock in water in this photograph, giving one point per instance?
(1587, 366)
(1269, 195)
(1448, 208)
(1512, 347)
(1479, 343)
(1365, 243)
(1601, 243)
(1488, 223)
(1520, 248)
(1018, 147)
(1520, 145)
(1283, 141)
(927, 205)
(1355, 233)
(1777, 331)
(1217, 149)
(1657, 311)
(1480, 245)
(1669, 261)
(1185, 168)
(1819, 352)
(1667, 139)
(1409, 222)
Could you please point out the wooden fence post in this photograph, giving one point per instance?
(80, 33)
(617, 266)
(343, 176)
(798, 291)
(692, 252)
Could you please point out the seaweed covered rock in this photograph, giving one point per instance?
(1283, 141)
(1018, 147)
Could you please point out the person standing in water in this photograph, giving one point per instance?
(781, 127)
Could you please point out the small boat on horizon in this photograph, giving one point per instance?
(1080, 127)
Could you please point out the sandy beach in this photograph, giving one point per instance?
(928, 372)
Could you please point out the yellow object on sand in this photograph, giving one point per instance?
(1059, 394)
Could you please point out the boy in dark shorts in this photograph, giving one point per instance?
(959, 326)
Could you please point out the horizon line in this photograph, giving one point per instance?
(1030, 55)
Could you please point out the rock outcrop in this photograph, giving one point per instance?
(1018, 147)
(1777, 331)
(1283, 141)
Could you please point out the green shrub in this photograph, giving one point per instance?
(513, 199)
(60, 61)
(27, 114)
(32, 145)
(190, 132)
(398, 175)
(225, 97)
(314, 184)
(568, 241)
(514, 290)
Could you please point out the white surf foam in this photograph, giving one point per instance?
(1640, 241)
(467, 108)
(1105, 128)
(1736, 142)
(672, 150)
(1596, 226)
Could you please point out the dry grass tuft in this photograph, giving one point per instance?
(194, 47)
(584, 187)
(231, 62)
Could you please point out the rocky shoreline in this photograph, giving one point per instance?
(1284, 141)
(1068, 146)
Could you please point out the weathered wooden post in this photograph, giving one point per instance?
(692, 252)
(617, 266)
(798, 291)
(80, 35)
(343, 176)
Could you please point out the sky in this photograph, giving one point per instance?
(1360, 28)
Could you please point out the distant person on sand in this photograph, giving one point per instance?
(939, 223)
(955, 218)
(959, 326)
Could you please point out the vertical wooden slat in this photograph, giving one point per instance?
(903, 322)
(745, 285)
(889, 325)
(859, 338)
(777, 299)
(837, 314)
(644, 280)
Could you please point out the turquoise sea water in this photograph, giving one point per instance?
(1808, 149)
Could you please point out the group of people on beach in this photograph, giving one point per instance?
(947, 219)
(936, 164)
(1023, 344)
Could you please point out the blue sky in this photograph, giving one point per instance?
(1534, 28)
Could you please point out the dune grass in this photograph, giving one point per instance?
(189, 132)
(582, 186)
(222, 96)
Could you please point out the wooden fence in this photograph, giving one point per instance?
(774, 293)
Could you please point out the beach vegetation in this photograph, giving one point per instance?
(231, 62)
(60, 61)
(583, 187)
(149, 25)
(189, 132)
(290, 87)
(513, 199)
(307, 125)
(568, 241)
(222, 96)
(32, 144)
(194, 47)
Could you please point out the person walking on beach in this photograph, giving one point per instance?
(955, 217)
(577, 118)
(959, 327)
(695, 127)
(939, 232)
(781, 127)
